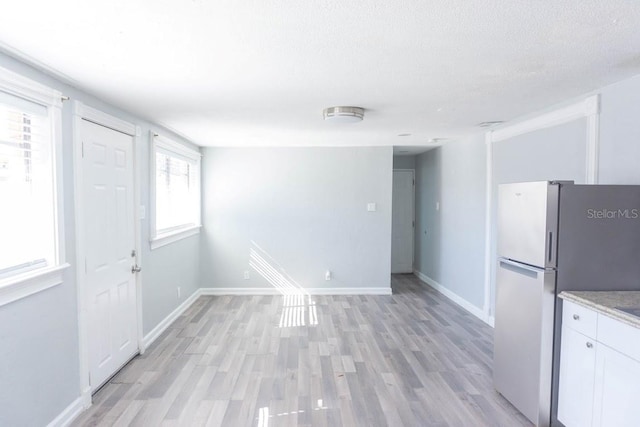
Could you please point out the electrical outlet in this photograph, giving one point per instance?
(247, 275)
(178, 291)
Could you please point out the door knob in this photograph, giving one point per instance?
(135, 269)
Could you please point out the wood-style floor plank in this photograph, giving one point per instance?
(410, 359)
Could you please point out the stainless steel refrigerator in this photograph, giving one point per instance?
(552, 237)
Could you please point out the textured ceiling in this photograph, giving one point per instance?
(232, 72)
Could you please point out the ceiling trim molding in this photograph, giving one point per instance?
(26, 88)
(30, 61)
(586, 108)
(486, 306)
(593, 140)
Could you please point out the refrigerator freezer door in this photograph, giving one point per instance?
(599, 246)
(528, 222)
(523, 338)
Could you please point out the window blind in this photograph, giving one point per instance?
(175, 201)
(27, 237)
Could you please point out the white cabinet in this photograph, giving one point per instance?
(599, 372)
(617, 391)
(577, 364)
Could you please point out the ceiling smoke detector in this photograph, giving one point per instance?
(343, 114)
(490, 123)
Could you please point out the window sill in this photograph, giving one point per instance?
(23, 285)
(174, 236)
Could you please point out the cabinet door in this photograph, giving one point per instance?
(617, 389)
(577, 375)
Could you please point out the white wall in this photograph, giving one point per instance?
(306, 208)
(39, 363)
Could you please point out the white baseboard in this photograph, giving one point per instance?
(70, 413)
(164, 324)
(85, 397)
(306, 291)
(350, 291)
(239, 291)
(492, 321)
(476, 311)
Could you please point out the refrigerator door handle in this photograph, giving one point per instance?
(550, 249)
(521, 266)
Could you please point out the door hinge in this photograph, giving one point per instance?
(85, 266)
(82, 148)
(414, 182)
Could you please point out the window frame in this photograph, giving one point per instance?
(25, 283)
(164, 145)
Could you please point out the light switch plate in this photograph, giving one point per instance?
(143, 212)
(371, 207)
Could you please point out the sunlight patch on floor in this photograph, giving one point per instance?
(299, 309)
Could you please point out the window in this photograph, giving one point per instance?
(176, 191)
(29, 226)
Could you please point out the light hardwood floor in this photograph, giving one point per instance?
(410, 359)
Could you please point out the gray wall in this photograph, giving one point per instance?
(306, 208)
(558, 152)
(450, 241)
(404, 162)
(553, 153)
(165, 269)
(316, 220)
(620, 133)
(428, 229)
(39, 371)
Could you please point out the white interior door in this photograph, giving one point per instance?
(402, 222)
(109, 241)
